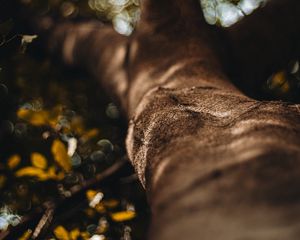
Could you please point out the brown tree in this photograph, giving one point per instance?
(216, 164)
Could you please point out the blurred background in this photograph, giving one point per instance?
(59, 132)
(62, 170)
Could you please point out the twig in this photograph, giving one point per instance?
(45, 221)
(49, 214)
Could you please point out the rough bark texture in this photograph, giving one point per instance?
(216, 164)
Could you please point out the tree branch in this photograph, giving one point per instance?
(40, 220)
(215, 163)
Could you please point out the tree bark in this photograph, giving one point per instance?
(215, 163)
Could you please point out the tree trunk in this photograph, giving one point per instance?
(215, 163)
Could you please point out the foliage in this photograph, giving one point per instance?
(228, 12)
(58, 131)
(124, 14)
(57, 134)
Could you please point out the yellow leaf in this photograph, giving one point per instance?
(285, 87)
(60, 155)
(2, 181)
(52, 173)
(75, 234)
(90, 194)
(111, 203)
(61, 233)
(26, 235)
(89, 134)
(60, 176)
(102, 228)
(36, 118)
(53, 116)
(13, 161)
(100, 208)
(42, 117)
(279, 78)
(38, 160)
(33, 172)
(94, 197)
(77, 125)
(85, 235)
(123, 216)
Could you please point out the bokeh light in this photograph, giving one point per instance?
(227, 12)
(124, 14)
